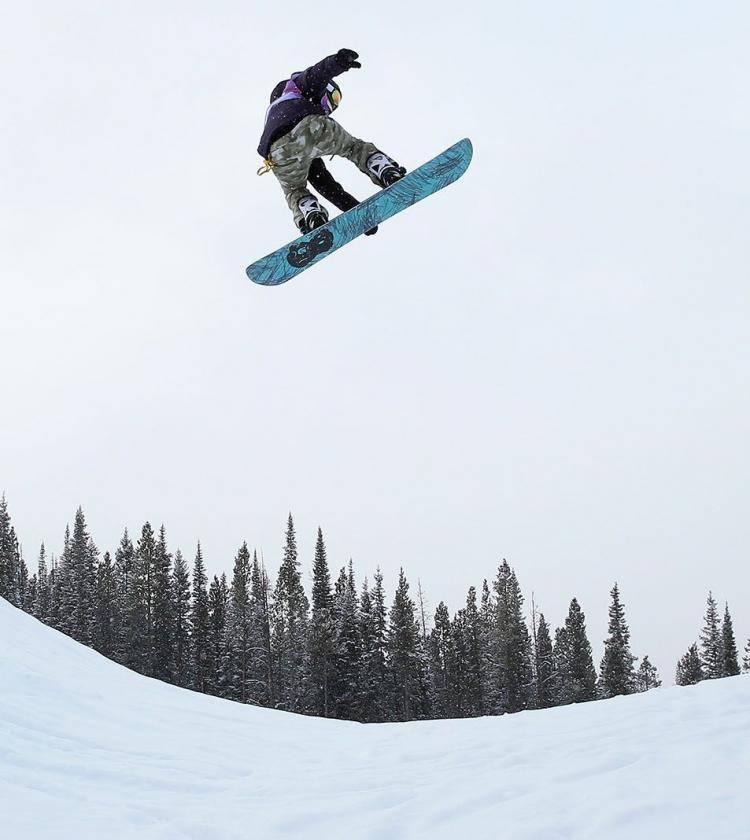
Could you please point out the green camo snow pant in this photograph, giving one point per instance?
(314, 136)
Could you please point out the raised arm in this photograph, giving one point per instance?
(312, 82)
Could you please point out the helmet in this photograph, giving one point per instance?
(331, 97)
(278, 90)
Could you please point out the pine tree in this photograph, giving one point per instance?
(647, 676)
(462, 698)
(711, 660)
(289, 628)
(105, 622)
(617, 674)
(218, 596)
(474, 666)
(574, 675)
(445, 666)
(9, 556)
(239, 635)
(261, 682)
(367, 701)
(161, 640)
(320, 645)
(139, 608)
(124, 561)
(78, 584)
(746, 657)
(347, 646)
(690, 668)
(30, 599)
(405, 655)
(41, 606)
(53, 614)
(544, 664)
(730, 666)
(181, 620)
(22, 584)
(375, 694)
(510, 646)
(199, 626)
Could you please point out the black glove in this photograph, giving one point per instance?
(348, 59)
(371, 231)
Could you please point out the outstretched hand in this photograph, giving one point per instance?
(348, 58)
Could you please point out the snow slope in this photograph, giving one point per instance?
(90, 750)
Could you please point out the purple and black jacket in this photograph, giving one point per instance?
(296, 98)
(291, 101)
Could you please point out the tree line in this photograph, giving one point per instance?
(345, 652)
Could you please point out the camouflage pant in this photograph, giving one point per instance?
(313, 137)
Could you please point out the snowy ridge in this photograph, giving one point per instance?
(91, 750)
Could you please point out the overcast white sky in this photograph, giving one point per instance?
(546, 362)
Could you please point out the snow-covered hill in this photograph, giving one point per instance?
(91, 750)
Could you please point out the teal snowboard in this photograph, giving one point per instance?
(294, 258)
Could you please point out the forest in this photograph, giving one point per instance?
(345, 651)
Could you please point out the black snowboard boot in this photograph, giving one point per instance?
(313, 214)
(385, 170)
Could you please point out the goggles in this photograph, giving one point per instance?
(331, 98)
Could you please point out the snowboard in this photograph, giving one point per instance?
(309, 249)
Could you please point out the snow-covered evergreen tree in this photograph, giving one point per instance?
(730, 665)
(181, 620)
(347, 645)
(711, 658)
(617, 674)
(218, 597)
(9, 556)
(239, 632)
(25, 598)
(690, 668)
(289, 628)
(444, 665)
(124, 560)
(41, 606)
(510, 645)
(647, 677)
(162, 657)
(53, 614)
(544, 666)
(199, 626)
(262, 684)
(573, 666)
(320, 639)
(405, 655)
(106, 612)
(78, 583)
(474, 664)
(140, 603)
(375, 691)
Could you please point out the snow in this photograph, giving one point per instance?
(91, 750)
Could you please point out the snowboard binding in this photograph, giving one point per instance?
(384, 170)
(313, 214)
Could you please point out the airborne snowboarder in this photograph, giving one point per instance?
(299, 130)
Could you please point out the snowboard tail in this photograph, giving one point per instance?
(294, 258)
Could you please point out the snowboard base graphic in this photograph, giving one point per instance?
(294, 258)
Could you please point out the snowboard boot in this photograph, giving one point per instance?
(313, 214)
(384, 170)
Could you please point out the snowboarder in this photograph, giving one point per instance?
(299, 130)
